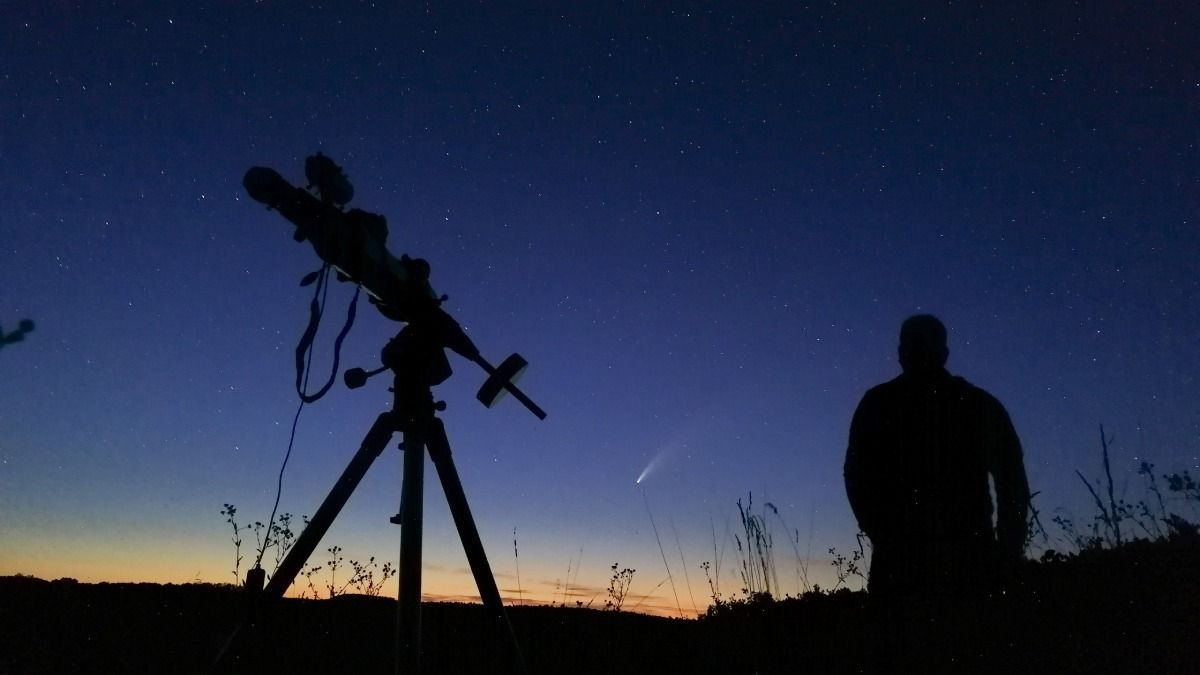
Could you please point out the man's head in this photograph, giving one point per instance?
(922, 344)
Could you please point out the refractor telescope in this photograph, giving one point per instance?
(354, 243)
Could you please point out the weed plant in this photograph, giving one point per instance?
(230, 513)
(365, 579)
(618, 587)
(1118, 522)
(846, 568)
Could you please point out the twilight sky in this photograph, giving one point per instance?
(701, 226)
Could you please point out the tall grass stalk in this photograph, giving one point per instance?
(661, 552)
(687, 580)
(758, 561)
(648, 595)
(517, 563)
(802, 585)
(566, 582)
(718, 556)
(1110, 514)
(578, 566)
(569, 580)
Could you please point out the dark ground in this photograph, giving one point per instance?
(1132, 610)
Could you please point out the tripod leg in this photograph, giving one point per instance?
(372, 445)
(408, 608)
(439, 452)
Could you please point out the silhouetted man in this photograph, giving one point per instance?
(922, 448)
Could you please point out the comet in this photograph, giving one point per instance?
(654, 462)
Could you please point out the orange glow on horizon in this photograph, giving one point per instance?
(176, 560)
(438, 591)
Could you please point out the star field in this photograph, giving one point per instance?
(702, 226)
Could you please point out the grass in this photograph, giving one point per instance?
(759, 579)
(1118, 522)
(1121, 585)
(1113, 603)
(1168, 509)
(1128, 609)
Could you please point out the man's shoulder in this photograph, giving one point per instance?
(977, 393)
(885, 388)
(899, 386)
(883, 394)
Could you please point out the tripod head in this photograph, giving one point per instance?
(354, 243)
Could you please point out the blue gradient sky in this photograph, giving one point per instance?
(701, 226)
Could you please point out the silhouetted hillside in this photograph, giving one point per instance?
(1129, 610)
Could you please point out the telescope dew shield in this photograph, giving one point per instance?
(351, 242)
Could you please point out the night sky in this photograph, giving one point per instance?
(701, 226)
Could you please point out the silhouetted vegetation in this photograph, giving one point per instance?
(1153, 517)
(1102, 602)
(618, 587)
(1128, 609)
(759, 579)
(364, 579)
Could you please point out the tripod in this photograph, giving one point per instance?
(417, 359)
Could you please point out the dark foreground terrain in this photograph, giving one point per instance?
(1132, 610)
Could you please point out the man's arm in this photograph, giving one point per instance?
(1007, 466)
(859, 471)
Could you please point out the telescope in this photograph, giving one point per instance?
(354, 243)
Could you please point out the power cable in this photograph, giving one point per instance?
(304, 354)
